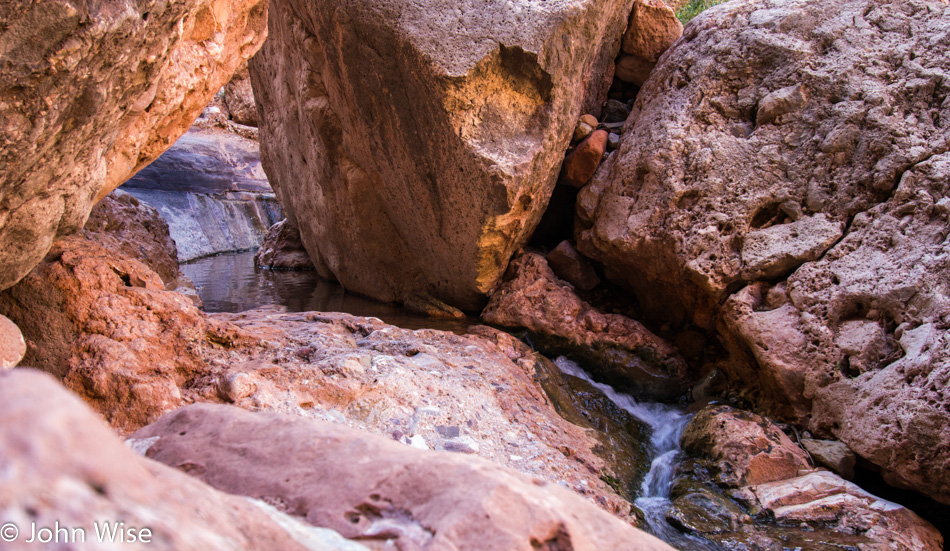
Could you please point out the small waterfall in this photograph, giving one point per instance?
(666, 425)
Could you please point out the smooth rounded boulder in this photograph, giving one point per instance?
(427, 136)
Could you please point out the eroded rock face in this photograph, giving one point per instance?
(63, 465)
(239, 98)
(429, 134)
(745, 448)
(369, 488)
(625, 353)
(92, 93)
(105, 324)
(810, 204)
(282, 249)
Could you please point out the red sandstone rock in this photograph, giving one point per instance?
(745, 448)
(580, 164)
(281, 249)
(105, 323)
(94, 91)
(121, 222)
(652, 29)
(63, 465)
(628, 354)
(571, 266)
(12, 345)
(370, 488)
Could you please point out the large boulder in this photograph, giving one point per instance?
(368, 487)
(91, 93)
(65, 468)
(239, 98)
(427, 136)
(790, 191)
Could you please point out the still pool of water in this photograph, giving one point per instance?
(232, 283)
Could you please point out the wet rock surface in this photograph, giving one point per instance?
(616, 348)
(749, 486)
(736, 176)
(92, 93)
(104, 323)
(474, 104)
(63, 466)
(281, 249)
(373, 489)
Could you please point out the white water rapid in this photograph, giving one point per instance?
(666, 425)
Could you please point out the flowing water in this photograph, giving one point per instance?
(666, 424)
(232, 283)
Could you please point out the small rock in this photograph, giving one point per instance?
(462, 444)
(417, 441)
(569, 265)
(12, 345)
(832, 454)
(589, 120)
(704, 512)
(282, 249)
(432, 307)
(613, 141)
(615, 111)
(582, 130)
(581, 163)
(236, 386)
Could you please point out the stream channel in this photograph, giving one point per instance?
(232, 283)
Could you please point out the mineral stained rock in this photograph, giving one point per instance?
(791, 192)
(428, 135)
(92, 92)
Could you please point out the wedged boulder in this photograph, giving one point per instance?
(651, 30)
(93, 92)
(239, 98)
(212, 190)
(369, 488)
(282, 249)
(429, 135)
(623, 352)
(105, 324)
(63, 465)
(571, 266)
(737, 172)
(743, 448)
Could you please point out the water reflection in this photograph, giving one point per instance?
(232, 283)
